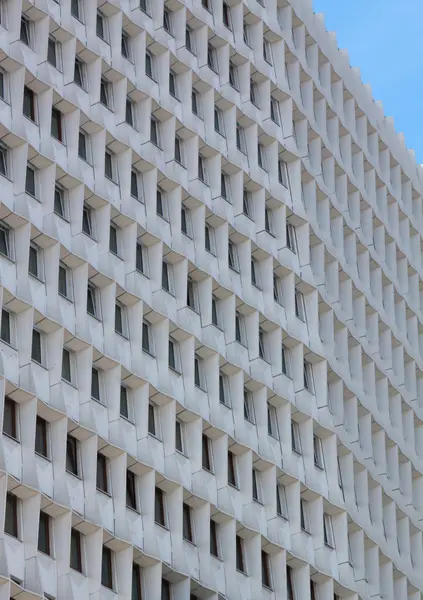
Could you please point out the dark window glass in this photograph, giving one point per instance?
(107, 568)
(152, 420)
(113, 240)
(44, 533)
(179, 442)
(265, 569)
(63, 282)
(11, 515)
(51, 52)
(30, 181)
(165, 590)
(82, 145)
(72, 455)
(102, 478)
(159, 510)
(56, 124)
(75, 550)
(240, 554)
(131, 492)
(187, 524)
(124, 409)
(59, 206)
(136, 582)
(231, 469)
(214, 547)
(10, 418)
(36, 346)
(25, 35)
(139, 259)
(129, 115)
(41, 432)
(206, 460)
(28, 108)
(5, 326)
(66, 365)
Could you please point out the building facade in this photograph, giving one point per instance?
(211, 327)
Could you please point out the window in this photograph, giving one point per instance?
(179, 157)
(179, 436)
(102, 479)
(155, 131)
(240, 562)
(272, 421)
(53, 52)
(174, 355)
(212, 58)
(150, 65)
(196, 102)
(64, 281)
(206, 4)
(206, 453)
(125, 45)
(11, 515)
(281, 503)
(308, 377)
(121, 325)
(328, 536)
(87, 220)
(147, 338)
(267, 51)
(277, 289)
(186, 221)
(106, 93)
(153, 420)
(59, 202)
(256, 485)
(232, 473)
(173, 88)
(299, 305)
(187, 529)
(246, 33)
(131, 490)
(295, 437)
(30, 180)
(255, 273)
(159, 507)
(56, 124)
(202, 174)
(136, 593)
(10, 418)
(214, 539)
(107, 568)
(92, 305)
(145, 6)
(225, 186)
(124, 402)
(318, 452)
(25, 34)
(167, 20)
(285, 361)
(4, 166)
(29, 103)
(266, 577)
(233, 76)
(113, 239)
(6, 327)
(95, 384)
(130, 112)
(219, 123)
(167, 279)
(209, 242)
(161, 204)
(233, 256)
(192, 295)
(215, 312)
(268, 220)
(291, 237)
(37, 346)
(101, 26)
(83, 145)
(261, 157)
(76, 9)
(190, 39)
(72, 463)
(141, 259)
(290, 583)
(3, 79)
(240, 333)
(283, 173)
(304, 515)
(224, 389)
(199, 373)
(262, 344)
(110, 166)
(274, 111)
(166, 590)
(75, 550)
(79, 73)
(227, 20)
(254, 94)
(136, 185)
(44, 525)
(67, 365)
(240, 139)
(248, 406)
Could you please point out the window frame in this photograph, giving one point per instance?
(42, 350)
(151, 72)
(291, 237)
(308, 377)
(129, 409)
(242, 338)
(209, 239)
(42, 444)
(132, 112)
(281, 502)
(10, 339)
(233, 261)
(72, 367)
(328, 533)
(76, 535)
(272, 421)
(68, 278)
(143, 252)
(214, 549)
(212, 58)
(60, 129)
(188, 522)
(132, 494)
(80, 67)
(240, 557)
(57, 52)
(28, 25)
(95, 296)
(126, 43)
(114, 173)
(153, 421)
(14, 433)
(190, 35)
(168, 20)
(299, 305)
(73, 457)
(109, 555)
(249, 404)
(106, 93)
(196, 101)
(176, 366)
(318, 455)
(169, 287)
(257, 492)
(104, 36)
(99, 382)
(232, 478)
(296, 438)
(160, 497)
(147, 335)
(200, 379)
(63, 197)
(182, 449)
(45, 521)
(207, 463)
(277, 289)
(124, 332)
(33, 194)
(102, 481)
(255, 273)
(227, 15)
(266, 570)
(15, 517)
(304, 516)
(85, 135)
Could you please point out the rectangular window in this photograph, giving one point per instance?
(136, 582)
(145, 6)
(159, 507)
(95, 384)
(283, 172)
(107, 568)
(155, 132)
(212, 58)
(141, 259)
(304, 515)
(110, 166)
(44, 542)
(261, 157)
(167, 280)
(125, 46)
(25, 32)
(328, 536)
(124, 402)
(67, 365)
(147, 338)
(72, 464)
(291, 238)
(202, 174)
(254, 94)
(266, 576)
(268, 221)
(11, 515)
(255, 273)
(240, 562)
(240, 139)
(130, 112)
(299, 305)
(113, 239)
(187, 529)
(56, 124)
(167, 21)
(59, 202)
(31, 181)
(267, 51)
(219, 123)
(53, 52)
(196, 103)
(256, 485)
(4, 170)
(233, 256)
(10, 418)
(272, 421)
(83, 145)
(248, 406)
(179, 436)
(76, 550)
(192, 295)
(295, 437)
(150, 65)
(227, 20)
(131, 490)
(215, 312)
(161, 205)
(318, 452)
(37, 347)
(274, 110)
(224, 389)
(232, 473)
(92, 305)
(281, 503)
(64, 281)
(209, 241)
(186, 227)
(35, 262)
(106, 97)
(240, 333)
(190, 39)
(308, 377)
(102, 479)
(286, 369)
(87, 220)
(101, 26)
(246, 204)
(277, 289)
(262, 344)
(199, 378)
(79, 73)
(214, 539)
(166, 590)
(136, 185)
(153, 420)
(233, 77)
(28, 108)
(206, 453)
(76, 9)
(174, 355)
(6, 327)
(290, 583)
(121, 324)
(173, 87)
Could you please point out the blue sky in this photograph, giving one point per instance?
(384, 38)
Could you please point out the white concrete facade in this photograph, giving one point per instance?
(212, 327)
